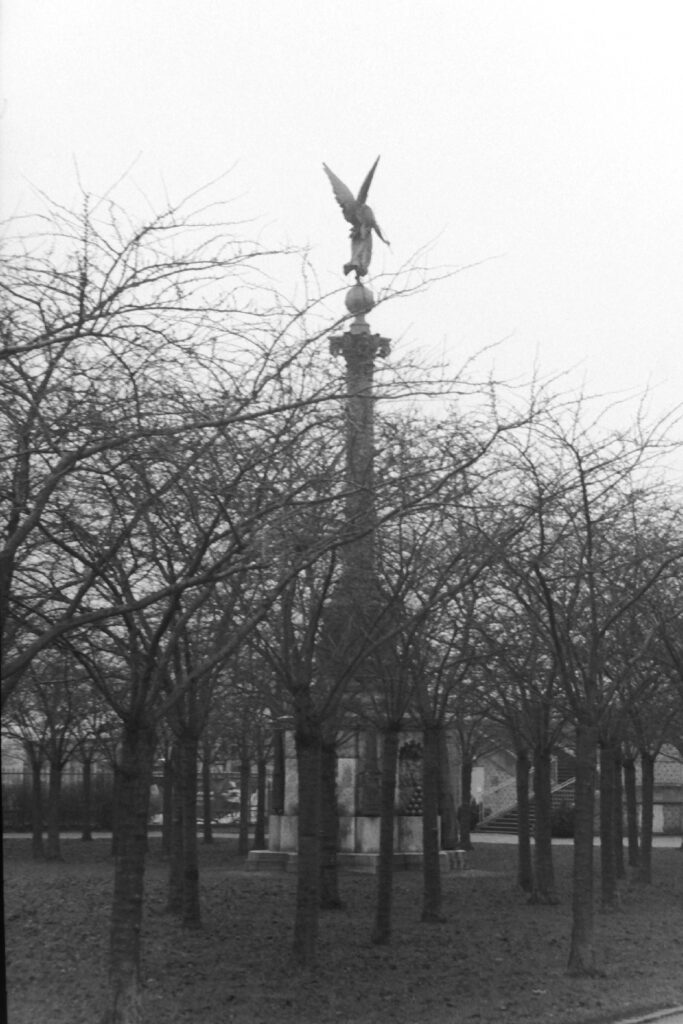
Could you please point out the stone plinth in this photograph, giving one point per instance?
(365, 863)
(359, 833)
(267, 860)
(283, 833)
(291, 776)
(358, 778)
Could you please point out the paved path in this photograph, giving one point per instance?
(506, 837)
(673, 1016)
(477, 837)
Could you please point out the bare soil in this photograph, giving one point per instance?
(497, 959)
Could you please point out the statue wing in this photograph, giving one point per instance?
(365, 187)
(342, 193)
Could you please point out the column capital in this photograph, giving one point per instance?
(360, 343)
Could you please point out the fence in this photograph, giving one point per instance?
(17, 801)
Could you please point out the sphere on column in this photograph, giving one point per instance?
(359, 300)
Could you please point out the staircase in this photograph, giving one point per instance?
(505, 821)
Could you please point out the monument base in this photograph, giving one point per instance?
(358, 833)
(363, 863)
(358, 843)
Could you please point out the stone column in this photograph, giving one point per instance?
(357, 590)
(360, 348)
(353, 604)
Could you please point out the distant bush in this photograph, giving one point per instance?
(562, 821)
(17, 803)
(102, 798)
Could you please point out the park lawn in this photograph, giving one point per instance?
(497, 960)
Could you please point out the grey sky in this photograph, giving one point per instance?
(546, 135)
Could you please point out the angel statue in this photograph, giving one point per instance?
(361, 218)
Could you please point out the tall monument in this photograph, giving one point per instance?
(356, 604)
(358, 588)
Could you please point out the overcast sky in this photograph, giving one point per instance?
(543, 138)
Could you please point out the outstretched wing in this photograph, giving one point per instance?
(342, 193)
(365, 187)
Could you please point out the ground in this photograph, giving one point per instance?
(497, 960)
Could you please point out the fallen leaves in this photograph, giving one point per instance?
(495, 958)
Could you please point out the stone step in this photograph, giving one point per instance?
(506, 821)
(365, 863)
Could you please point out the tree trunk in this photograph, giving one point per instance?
(116, 800)
(189, 757)
(608, 873)
(308, 740)
(167, 805)
(369, 779)
(260, 828)
(619, 866)
(544, 874)
(329, 828)
(37, 847)
(277, 793)
(525, 878)
(385, 864)
(631, 811)
(207, 816)
(245, 807)
(135, 779)
(53, 849)
(447, 806)
(647, 762)
(431, 868)
(465, 809)
(175, 835)
(86, 832)
(582, 952)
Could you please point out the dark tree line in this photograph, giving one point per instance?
(181, 562)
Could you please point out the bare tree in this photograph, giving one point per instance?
(50, 714)
(117, 338)
(576, 584)
(526, 700)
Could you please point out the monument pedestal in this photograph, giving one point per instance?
(366, 863)
(357, 789)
